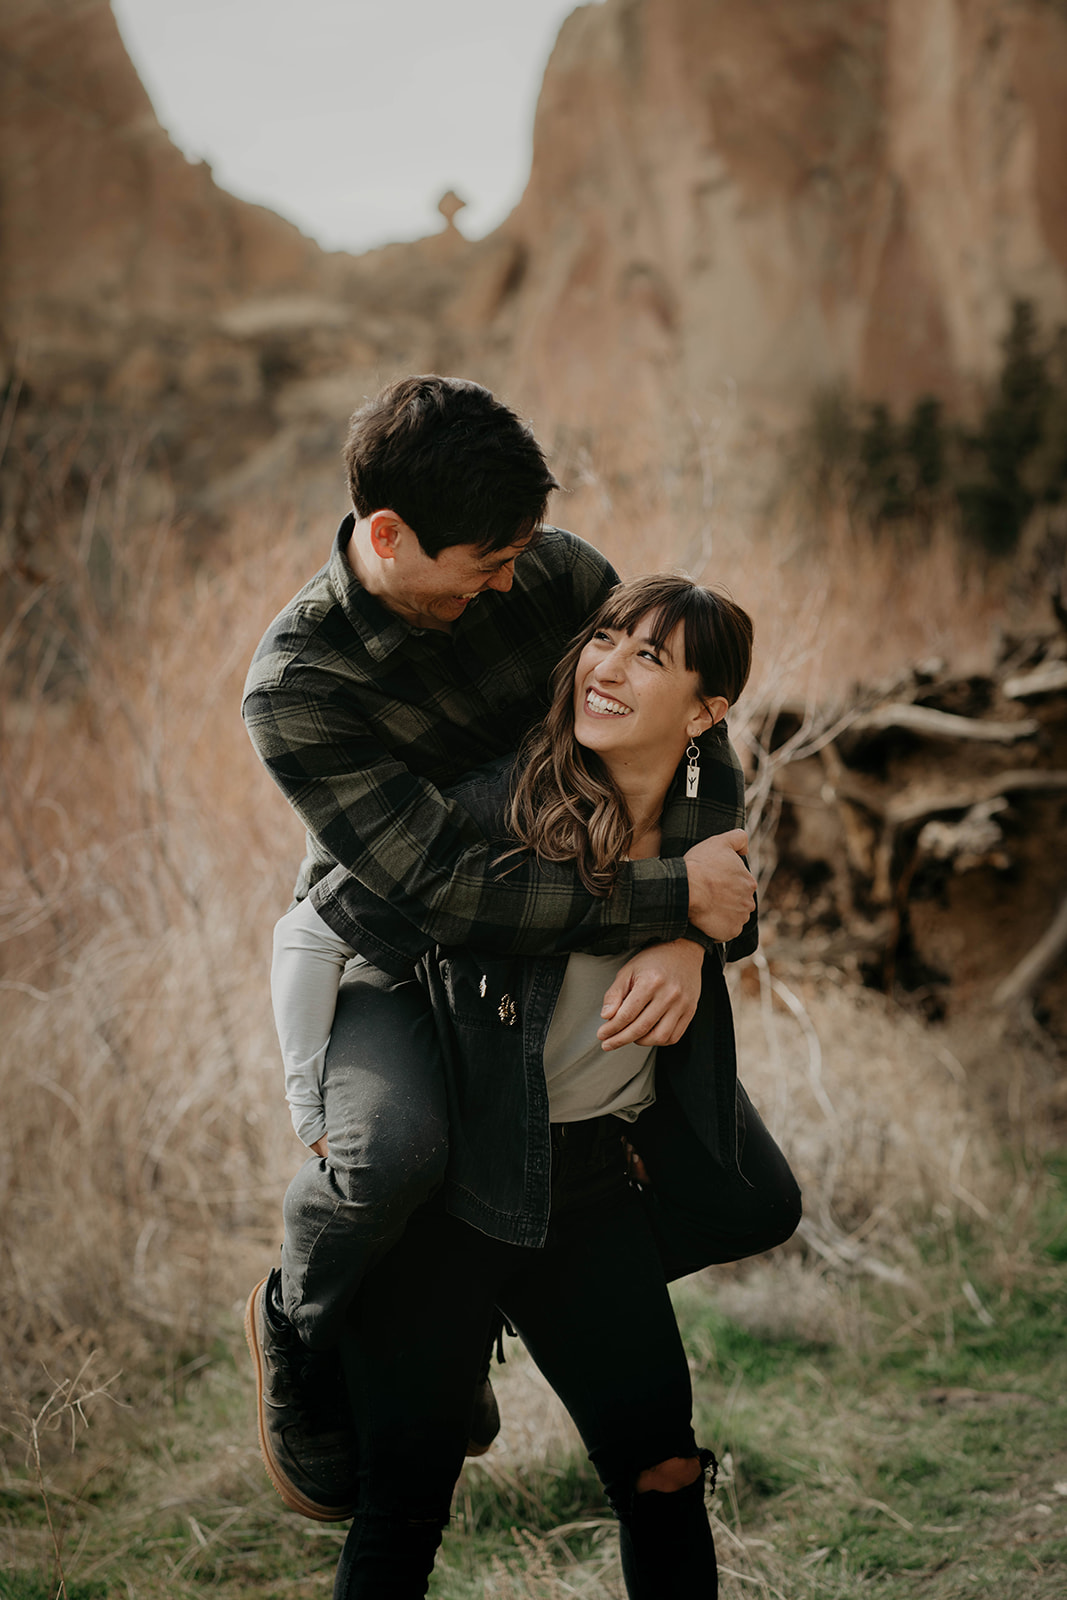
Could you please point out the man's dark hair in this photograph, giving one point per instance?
(454, 463)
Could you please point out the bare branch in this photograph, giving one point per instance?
(1049, 678)
(932, 724)
(1025, 977)
(916, 803)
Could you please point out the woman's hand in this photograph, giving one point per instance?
(320, 1147)
(653, 999)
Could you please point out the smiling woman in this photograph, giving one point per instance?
(630, 692)
(351, 117)
(662, 664)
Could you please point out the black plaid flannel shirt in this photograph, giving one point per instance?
(362, 719)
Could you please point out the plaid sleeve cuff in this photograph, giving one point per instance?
(659, 900)
(396, 954)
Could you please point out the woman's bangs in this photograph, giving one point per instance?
(660, 613)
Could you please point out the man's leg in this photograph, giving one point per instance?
(387, 1136)
(700, 1213)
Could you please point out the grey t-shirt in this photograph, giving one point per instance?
(584, 1080)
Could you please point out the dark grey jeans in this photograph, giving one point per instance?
(387, 1135)
(387, 1127)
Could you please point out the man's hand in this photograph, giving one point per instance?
(653, 999)
(320, 1147)
(722, 891)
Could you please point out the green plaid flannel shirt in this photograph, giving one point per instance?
(362, 719)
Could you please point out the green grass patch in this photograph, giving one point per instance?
(1052, 1222)
(24, 1586)
(925, 1454)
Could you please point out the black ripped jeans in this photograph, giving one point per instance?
(593, 1310)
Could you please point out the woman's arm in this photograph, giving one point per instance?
(309, 959)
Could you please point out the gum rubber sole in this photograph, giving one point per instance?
(290, 1494)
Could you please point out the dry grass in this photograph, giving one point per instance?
(871, 1103)
(843, 611)
(143, 858)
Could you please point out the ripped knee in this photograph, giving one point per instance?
(677, 1473)
(667, 1477)
(666, 1482)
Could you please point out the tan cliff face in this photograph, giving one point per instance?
(780, 197)
(104, 221)
(731, 205)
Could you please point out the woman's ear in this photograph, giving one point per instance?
(711, 712)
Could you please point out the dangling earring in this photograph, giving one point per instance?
(692, 771)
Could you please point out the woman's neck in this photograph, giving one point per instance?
(645, 842)
(644, 803)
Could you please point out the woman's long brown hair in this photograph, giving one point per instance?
(565, 805)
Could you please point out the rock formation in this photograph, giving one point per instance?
(730, 205)
(105, 224)
(783, 197)
(132, 288)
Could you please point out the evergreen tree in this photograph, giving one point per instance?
(1047, 467)
(924, 441)
(879, 449)
(997, 474)
(996, 508)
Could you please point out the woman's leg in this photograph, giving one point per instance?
(593, 1309)
(700, 1213)
(387, 1132)
(666, 1544)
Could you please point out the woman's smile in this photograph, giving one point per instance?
(600, 706)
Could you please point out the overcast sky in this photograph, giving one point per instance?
(351, 117)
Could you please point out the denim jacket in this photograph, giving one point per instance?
(493, 1014)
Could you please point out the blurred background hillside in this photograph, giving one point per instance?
(785, 296)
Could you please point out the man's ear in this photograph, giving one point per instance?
(711, 711)
(386, 530)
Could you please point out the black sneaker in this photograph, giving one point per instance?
(308, 1451)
